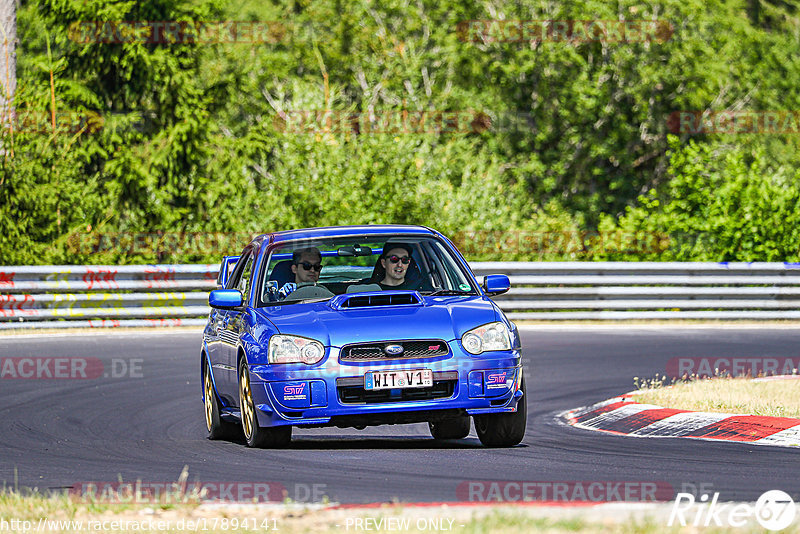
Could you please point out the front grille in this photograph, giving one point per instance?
(426, 348)
(442, 389)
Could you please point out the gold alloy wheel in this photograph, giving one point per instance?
(209, 401)
(246, 403)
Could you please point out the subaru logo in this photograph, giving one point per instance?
(394, 350)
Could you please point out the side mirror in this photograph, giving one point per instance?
(496, 284)
(226, 299)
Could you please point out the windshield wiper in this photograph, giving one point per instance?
(448, 292)
(298, 301)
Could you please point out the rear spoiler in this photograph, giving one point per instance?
(225, 270)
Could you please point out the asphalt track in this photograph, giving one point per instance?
(57, 433)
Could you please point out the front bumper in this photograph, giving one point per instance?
(332, 394)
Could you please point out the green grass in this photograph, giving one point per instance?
(779, 398)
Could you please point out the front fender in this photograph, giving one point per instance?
(205, 367)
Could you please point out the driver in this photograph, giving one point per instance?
(306, 266)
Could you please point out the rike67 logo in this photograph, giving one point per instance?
(774, 510)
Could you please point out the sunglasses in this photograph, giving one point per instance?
(308, 266)
(394, 259)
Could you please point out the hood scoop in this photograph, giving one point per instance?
(374, 299)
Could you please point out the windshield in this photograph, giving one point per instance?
(311, 270)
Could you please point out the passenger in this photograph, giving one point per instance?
(306, 266)
(392, 268)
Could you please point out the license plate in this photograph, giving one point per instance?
(414, 378)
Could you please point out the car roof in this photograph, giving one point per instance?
(343, 231)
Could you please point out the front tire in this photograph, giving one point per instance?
(256, 436)
(504, 429)
(455, 428)
(217, 427)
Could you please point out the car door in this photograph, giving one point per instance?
(232, 325)
(217, 318)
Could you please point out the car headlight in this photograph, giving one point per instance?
(294, 349)
(492, 336)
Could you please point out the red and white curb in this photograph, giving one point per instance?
(622, 415)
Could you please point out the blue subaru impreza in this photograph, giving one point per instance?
(356, 326)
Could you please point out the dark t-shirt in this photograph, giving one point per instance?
(406, 285)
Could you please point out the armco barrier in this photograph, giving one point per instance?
(102, 296)
(177, 295)
(648, 290)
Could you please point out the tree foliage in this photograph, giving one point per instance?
(567, 153)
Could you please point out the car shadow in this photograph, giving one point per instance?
(388, 442)
(371, 443)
